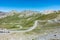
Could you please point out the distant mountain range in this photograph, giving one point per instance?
(14, 20)
(2, 13)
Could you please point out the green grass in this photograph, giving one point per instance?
(27, 23)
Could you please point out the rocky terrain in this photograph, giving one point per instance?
(30, 25)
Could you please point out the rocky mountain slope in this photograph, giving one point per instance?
(30, 25)
(24, 20)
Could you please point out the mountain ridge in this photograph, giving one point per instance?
(26, 21)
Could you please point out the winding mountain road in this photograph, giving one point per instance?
(34, 26)
(30, 29)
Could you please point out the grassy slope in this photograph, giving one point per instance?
(26, 23)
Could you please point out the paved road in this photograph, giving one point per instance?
(30, 29)
(33, 27)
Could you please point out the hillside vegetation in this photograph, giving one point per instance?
(24, 20)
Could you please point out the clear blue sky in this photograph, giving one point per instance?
(7, 5)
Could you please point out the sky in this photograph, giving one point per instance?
(36, 5)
